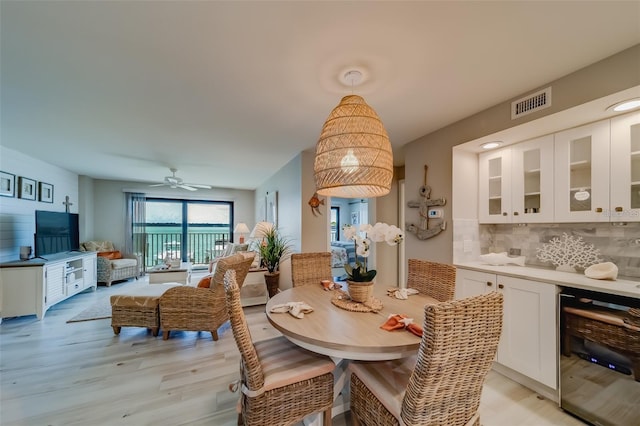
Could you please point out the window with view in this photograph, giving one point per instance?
(193, 231)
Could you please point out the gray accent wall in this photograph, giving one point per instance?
(611, 75)
(619, 244)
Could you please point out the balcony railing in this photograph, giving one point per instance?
(200, 249)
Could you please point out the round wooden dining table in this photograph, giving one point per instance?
(344, 334)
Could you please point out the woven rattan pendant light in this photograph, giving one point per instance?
(353, 155)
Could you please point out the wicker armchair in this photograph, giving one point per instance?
(437, 280)
(443, 383)
(310, 268)
(201, 309)
(281, 383)
(111, 264)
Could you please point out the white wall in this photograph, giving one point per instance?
(17, 216)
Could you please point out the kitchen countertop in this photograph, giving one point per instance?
(622, 286)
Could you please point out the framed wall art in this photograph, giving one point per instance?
(271, 201)
(26, 188)
(355, 218)
(7, 184)
(45, 192)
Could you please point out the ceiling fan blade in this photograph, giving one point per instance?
(158, 184)
(187, 187)
(198, 185)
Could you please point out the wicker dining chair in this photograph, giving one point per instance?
(437, 280)
(201, 309)
(281, 383)
(442, 384)
(310, 268)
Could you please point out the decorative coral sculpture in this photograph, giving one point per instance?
(569, 252)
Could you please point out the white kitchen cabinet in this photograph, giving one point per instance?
(582, 173)
(528, 343)
(625, 168)
(516, 183)
(472, 283)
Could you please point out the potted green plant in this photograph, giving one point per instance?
(273, 249)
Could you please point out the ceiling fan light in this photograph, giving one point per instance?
(353, 154)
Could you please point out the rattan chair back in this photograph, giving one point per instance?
(201, 309)
(459, 343)
(437, 280)
(250, 363)
(310, 268)
(281, 383)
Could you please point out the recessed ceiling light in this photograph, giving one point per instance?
(491, 145)
(625, 105)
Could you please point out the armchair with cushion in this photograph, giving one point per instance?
(202, 309)
(112, 265)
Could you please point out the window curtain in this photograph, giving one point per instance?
(135, 238)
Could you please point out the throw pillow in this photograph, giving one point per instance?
(99, 246)
(111, 255)
(205, 282)
(239, 248)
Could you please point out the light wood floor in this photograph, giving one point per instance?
(58, 373)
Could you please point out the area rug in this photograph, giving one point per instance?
(99, 310)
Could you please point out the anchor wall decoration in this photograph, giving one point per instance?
(422, 230)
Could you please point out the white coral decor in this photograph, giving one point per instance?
(569, 252)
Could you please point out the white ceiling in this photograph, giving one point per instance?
(229, 92)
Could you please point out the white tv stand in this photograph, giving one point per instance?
(32, 286)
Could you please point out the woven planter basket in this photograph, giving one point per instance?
(353, 154)
(360, 291)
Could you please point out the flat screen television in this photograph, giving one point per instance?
(56, 232)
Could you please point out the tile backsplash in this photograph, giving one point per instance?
(617, 244)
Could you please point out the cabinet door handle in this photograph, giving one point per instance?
(504, 213)
(619, 209)
(500, 286)
(489, 284)
(515, 213)
(598, 209)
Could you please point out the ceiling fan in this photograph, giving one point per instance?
(174, 181)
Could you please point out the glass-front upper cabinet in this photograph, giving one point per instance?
(494, 189)
(582, 173)
(625, 168)
(516, 183)
(532, 181)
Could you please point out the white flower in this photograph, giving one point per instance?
(363, 246)
(379, 232)
(393, 235)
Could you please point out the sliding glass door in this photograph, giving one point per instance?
(193, 231)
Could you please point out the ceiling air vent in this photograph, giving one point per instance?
(531, 103)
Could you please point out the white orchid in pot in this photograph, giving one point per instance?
(379, 232)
